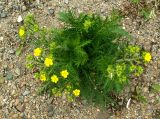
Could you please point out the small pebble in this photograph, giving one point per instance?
(19, 19)
(24, 8)
(38, 1)
(11, 51)
(17, 71)
(50, 108)
(15, 116)
(16, 102)
(20, 107)
(26, 92)
(50, 11)
(21, 99)
(3, 14)
(13, 92)
(1, 8)
(16, 7)
(9, 76)
(50, 114)
(66, 1)
(1, 38)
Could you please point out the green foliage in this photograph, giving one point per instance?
(156, 87)
(135, 1)
(140, 96)
(147, 13)
(86, 57)
(143, 8)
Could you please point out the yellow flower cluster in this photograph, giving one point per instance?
(54, 79)
(76, 92)
(48, 62)
(64, 73)
(37, 52)
(87, 24)
(21, 31)
(147, 57)
(43, 77)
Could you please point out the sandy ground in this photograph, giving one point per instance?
(18, 97)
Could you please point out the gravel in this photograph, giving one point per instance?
(24, 8)
(9, 76)
(2, 80)
(18, 95)
(26, 92)
(3, 15)
(50, 11)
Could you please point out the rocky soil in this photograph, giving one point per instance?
(18, 88)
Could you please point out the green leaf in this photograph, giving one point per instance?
(19, 50)
(83, 44)
(142, 98)
(156, 87)
(67, 17)
(135, 1)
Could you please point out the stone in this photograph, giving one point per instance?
(3, 15)
(10, 5)
(145, 89)
(50, 108)
(21, 108)
(23, 116)
(50, 11)
(120, 103)
(84, 102)
(26, 92)
(152, 100)
(11, 51)
(24, 8)
(11, 104)
(16, 7)
(15, 116)
(9, 76)
(5, 66)
(28, 115)
(151, 95)
(2, 49)
(50, 114)
(38, 1)
(16, 102)
(13, 92)
(19, 19)
(21, 99)
(66, 1)
(1, 8)
(1, 38)
(23, 83)
(26, 100)
(17, 71)
(34, 117)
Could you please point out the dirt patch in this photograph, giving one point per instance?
(18, 98)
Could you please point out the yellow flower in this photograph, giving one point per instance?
(37, 52)
(64, 73)
(48, 62)
(147, 57)
(54, 79)
(43, 77)
(87, 24)
(76, 92)
(21, 31)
